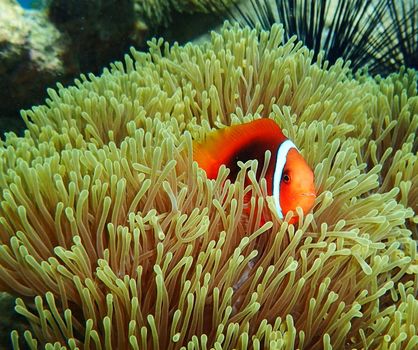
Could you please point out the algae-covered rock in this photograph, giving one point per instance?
(13, 33)
(31, 57)
(160, 12)
(100, 31)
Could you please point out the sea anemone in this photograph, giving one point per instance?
(112, 237)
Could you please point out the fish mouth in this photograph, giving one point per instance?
(308, 194)
(306, 201)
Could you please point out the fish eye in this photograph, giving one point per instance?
(286, 178)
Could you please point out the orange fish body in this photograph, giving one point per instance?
(290, 180)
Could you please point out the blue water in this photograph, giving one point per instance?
(32, 4)
(27, 4)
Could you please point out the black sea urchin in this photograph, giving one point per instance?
(398, 44)
(379, 34)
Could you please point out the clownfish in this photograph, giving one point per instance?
(289, 178)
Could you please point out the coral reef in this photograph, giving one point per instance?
(159, 12)
(100, 31)
(112, 237)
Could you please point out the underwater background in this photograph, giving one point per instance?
(110, 235)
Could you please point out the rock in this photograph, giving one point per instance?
(32, 54)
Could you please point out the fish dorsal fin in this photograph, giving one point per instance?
(237, 143)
